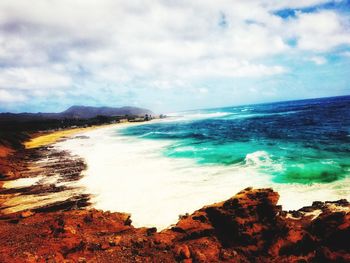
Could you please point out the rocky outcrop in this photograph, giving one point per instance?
(52, 192)
(249, 227)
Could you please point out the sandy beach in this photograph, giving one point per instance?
(42, 176)
(47, 138)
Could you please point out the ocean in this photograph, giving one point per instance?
(159, 170)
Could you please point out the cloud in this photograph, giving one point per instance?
(32, 79)
(318, 60)
(203, 90)
(7, 97)
(99, 48)
(320, 31)
(345, 53)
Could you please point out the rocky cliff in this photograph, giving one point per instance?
(249, 227)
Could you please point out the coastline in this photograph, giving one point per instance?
(124, 168)
(38, 176)
(51, 149)
(47, 138)
(247, 227)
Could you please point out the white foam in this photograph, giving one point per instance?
(198, 115)
(128, 174)
(295, 196)
(258, 158)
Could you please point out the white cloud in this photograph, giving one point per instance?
(318, 60)
(320, 31)
(223, 67)
(8, 97)
(32, 79)
(203, 90)
(86, 45)
(345, 54)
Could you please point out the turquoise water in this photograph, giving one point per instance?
(302, 142)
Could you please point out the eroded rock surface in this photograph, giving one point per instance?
(54, 171)
(249, 227)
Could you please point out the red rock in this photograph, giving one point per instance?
(182, 252)
(246, 228)
(27, 213)
(199, 256)
(115, 240)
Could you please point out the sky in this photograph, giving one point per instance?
(169, 55)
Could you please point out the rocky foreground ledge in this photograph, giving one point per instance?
(248, 227)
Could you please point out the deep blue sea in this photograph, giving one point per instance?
(303, 142)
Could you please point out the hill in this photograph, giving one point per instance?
(76, 112)
(86, 112)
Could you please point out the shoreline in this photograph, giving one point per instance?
(125, 167)
(45, 148)
(47, 138)
(42, 176)
(248, 227)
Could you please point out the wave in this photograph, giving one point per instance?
(168, 133)
(127, 174)
(258, 158)
(244, 115)
(198, 115)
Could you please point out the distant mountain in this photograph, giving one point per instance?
(76, 112)
(86, 112)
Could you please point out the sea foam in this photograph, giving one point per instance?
(130, 174)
